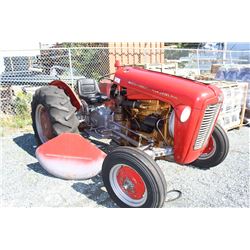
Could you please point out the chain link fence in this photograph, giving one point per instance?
(22, 72)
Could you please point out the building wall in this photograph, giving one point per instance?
(132, 53)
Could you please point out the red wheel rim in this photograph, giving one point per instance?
(43, 124)
(131, 182)
(210, 146)
(209, 150)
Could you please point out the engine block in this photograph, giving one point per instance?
(151, 119)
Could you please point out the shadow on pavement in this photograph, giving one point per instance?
(94, 192)
(36, 167)
(27, 143)
(107, 148)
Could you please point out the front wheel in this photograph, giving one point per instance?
(216, 150)
(133, 179)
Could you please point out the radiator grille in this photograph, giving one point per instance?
(206, 125)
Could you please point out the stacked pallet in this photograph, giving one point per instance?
(234, 105)
(169, 68)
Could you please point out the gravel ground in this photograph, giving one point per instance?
(25, 184)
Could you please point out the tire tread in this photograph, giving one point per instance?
(61, 111)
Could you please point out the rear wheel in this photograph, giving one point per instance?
(216, 150)
(52, 114)
(133, 179)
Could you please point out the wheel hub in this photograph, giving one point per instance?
(128, 185)
(131, 182)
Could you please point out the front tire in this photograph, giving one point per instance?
(216, 150)
(133, 179)
(52, 114)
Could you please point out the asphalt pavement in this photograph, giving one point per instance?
(24, 183)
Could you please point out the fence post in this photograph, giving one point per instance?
(225, 53)
(71, 69)
(2, 65)
(198, 62)
(145, 56)
(11, 64)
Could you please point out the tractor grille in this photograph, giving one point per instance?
(206, 125)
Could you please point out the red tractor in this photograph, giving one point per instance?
(150, 115)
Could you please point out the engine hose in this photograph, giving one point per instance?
(178, 192)
(159, 131)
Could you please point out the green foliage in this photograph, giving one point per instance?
(22, 103)
(184, 45)
(89, 62)
(189, 45)
(175, 54)
(22, 117)
(15, 121)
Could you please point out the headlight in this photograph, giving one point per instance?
(185, 114)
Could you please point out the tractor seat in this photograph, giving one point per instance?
(88, 89)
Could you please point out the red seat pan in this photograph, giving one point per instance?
(70, 156)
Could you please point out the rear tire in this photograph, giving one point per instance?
(133, 179)
(52, 114)
(217, 153)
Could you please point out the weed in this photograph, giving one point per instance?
(21, 118)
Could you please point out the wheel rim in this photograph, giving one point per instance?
(128, 185)
(43, 124)
(209, 150)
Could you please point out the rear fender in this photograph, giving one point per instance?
(75, 101)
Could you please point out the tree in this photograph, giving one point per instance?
(184, 45)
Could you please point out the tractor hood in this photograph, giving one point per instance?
(147, 84)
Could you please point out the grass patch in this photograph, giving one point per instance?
(21, 120)
(15, 123)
